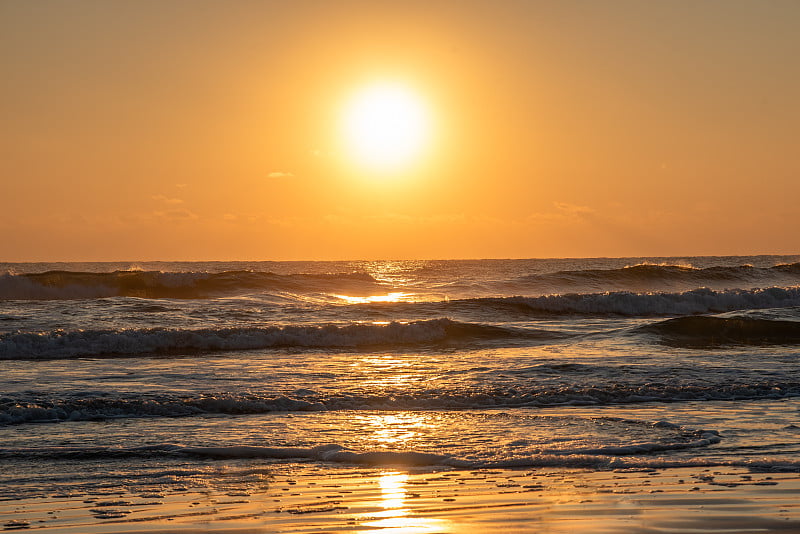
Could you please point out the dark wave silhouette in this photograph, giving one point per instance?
(54, 285)
(704, 331)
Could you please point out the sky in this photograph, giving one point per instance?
(213, 130)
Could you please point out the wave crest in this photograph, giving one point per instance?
(653, 274)
(627, 303)
(82, 343)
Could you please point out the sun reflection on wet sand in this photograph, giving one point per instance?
(393, 490)
(398, 431)
(396, 516)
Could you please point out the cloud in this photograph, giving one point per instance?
(565, 212)
(169, 215)
(404, 219)
(258, 218)
(572, 209)
(176, 215)
(167, 200)
(280, 175)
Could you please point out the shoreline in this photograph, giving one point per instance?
(313, 498)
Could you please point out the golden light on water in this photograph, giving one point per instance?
(389, 297)
(395, 431)
(384, 372)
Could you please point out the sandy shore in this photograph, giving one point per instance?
(302, 498)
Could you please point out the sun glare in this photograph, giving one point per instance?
(398, 296)
(386, 127)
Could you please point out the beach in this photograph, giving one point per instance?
(298, 499)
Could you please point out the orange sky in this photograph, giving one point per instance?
(212, 130)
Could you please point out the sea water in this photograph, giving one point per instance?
(164, 375)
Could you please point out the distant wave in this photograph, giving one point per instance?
(651, 272)
(75, 344)
(706, 331)
(32, 408)
(55, 285)
(628, 303)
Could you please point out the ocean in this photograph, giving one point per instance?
(168, 376)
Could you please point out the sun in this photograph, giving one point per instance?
(386, 127)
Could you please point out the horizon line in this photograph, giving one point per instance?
(517, 258)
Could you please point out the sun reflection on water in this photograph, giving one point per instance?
(385, 372)
(397, 296)
(398, 431)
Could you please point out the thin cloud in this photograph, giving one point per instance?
(167, 200)
(280, 175)
(572, 209)
(258, 218)
(171, 215)
(176, 215)
(565, 212)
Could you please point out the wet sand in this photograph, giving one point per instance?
(303, 498)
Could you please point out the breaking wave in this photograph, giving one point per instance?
(627, 303)
(63, 285)
(84, 343)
